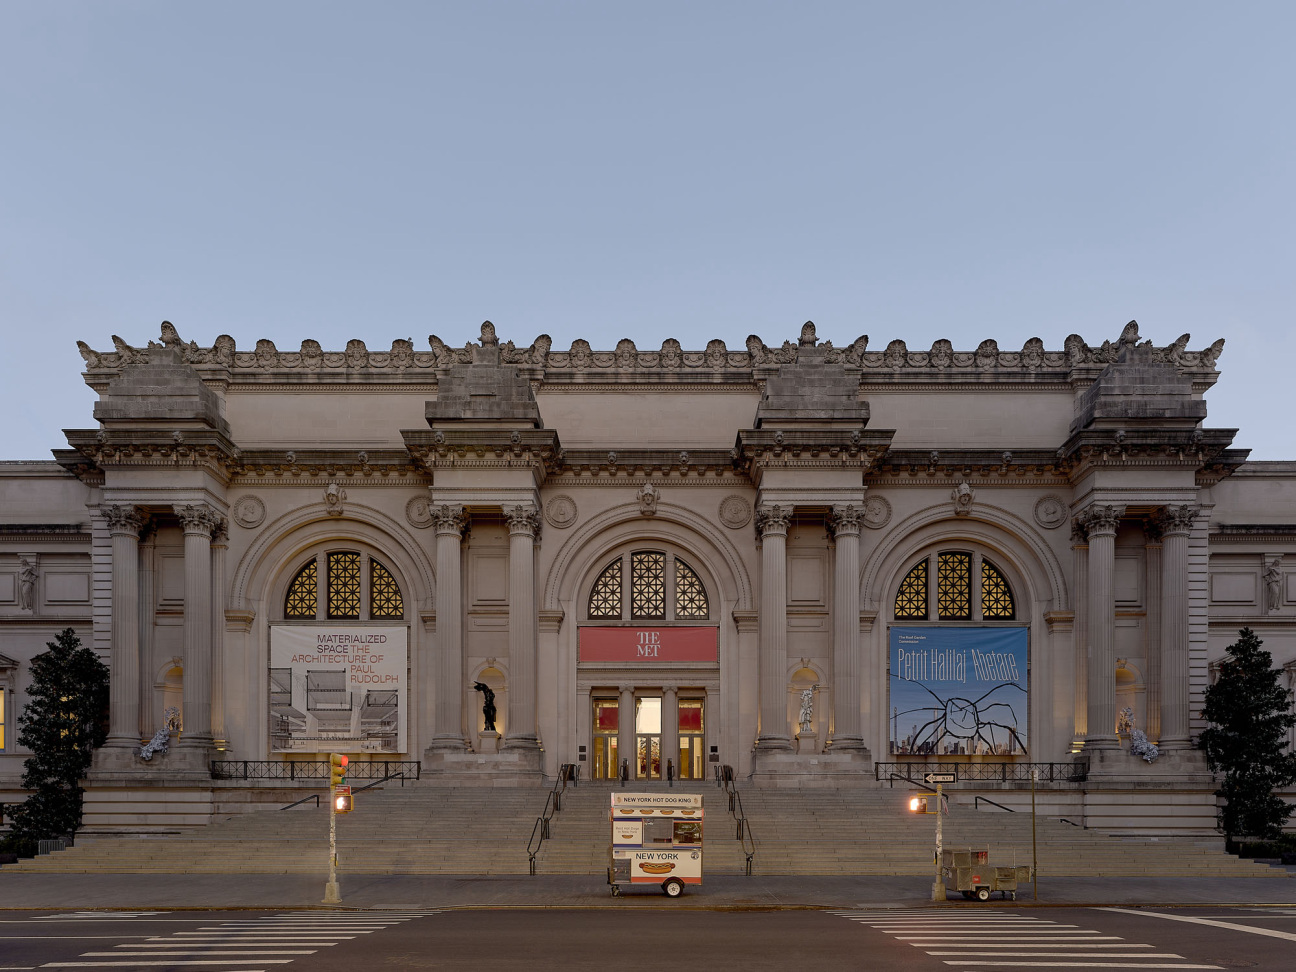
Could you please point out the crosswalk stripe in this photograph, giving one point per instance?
(1138, 955)
(136, 962)
(1087, 965)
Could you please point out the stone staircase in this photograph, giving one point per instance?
(484, 830)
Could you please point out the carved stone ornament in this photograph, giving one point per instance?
(560, 511)
(1273, 576)
(1050, 512)
(1098, 520)
(123, 518)
(1176, 519)
(449, 518)
(647, 497)
(877, 512)
(735, 512)
(27, 574)
(773, 520)
(523, 519)
(845, 519)
(197, 518)
(249, 512)
(418, 512)
(962, 496)
(335, 499)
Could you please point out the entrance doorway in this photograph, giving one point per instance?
(606, 727)
(648, 727)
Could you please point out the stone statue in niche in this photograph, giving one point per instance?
(26, 585)
(647, 499)
(1273, 586)
(807, 709)
(488, 705)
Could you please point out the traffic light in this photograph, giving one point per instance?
(918, 804)
(342, 799)
(337, 769)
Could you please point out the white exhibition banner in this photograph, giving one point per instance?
(340, 688)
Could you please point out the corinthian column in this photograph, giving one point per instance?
(1152, 575)
(219, 546)
(450, 523)
(198, 520)
(845, 522)
(771, 528)
(1100, 523)
(1080, 635)
(1176, 524)
(124, 523)
(524, 529)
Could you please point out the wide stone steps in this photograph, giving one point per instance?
(437, 830)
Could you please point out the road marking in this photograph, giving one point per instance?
(1138, 955)
(136, 963)
(1088, 965)
(1230, 925)
(1014, 943)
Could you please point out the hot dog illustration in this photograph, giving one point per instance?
(656, 867)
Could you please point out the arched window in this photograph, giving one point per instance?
(350, 585)
(662, 588)
(963, 593)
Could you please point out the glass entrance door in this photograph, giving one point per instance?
(692, 765)
(648, 724)
(606, 722)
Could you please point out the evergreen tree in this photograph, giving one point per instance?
(61, 724)
(1250, 715)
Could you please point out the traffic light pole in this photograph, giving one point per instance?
(332, 893)
(938, 888)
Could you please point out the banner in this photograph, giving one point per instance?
(958, 691)
(649, 644)
(338, 688)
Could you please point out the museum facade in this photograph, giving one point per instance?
(801, 561)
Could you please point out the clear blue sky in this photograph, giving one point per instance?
(690, 170)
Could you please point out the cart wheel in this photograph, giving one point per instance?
(983, 894)
(673, 887)
(616, 891)
(1012, 895)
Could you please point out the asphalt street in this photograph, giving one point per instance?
(958, 937)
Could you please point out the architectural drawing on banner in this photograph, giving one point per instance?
(337, 689)
(958, 691)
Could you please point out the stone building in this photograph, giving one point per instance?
(802, 561)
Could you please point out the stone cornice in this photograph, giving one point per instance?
(810, 448)
(295, 465)
(495, 448)
(1203, 450)
(149, 448)
(938, 467)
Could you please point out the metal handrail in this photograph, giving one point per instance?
(746, 839)
(385, 779)
(976, 804)
(295, 770)
(553, 803)
(296, 803)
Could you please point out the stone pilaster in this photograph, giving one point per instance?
(848, 733)
(150, 717)
(626, 730)
(448, 735)
(1100, 523)
(670, 728)
(1080, 637)
(198, 521)
(124, 524)
(1153, 581)
(219, 548)
(1176, 524)
(772, 527)
(524, 531)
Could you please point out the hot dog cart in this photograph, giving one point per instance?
(656, 839)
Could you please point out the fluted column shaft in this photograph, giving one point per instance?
(124, 522)
(198, 521)
(626, 731)
(448, 725)
(1080, 552)
(149, 718)
(219, 547)
(1153, 581)
(772, 526)
(848, 732)
(1176, 524)
(670, 729)
(524, 528)
(1100, 524)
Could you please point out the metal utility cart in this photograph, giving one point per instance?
(656, 838)
(970, 873)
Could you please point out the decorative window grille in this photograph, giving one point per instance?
(605, 598)
(344, 585)
(690, 595)
(385, 599)
(954, 586)
(303, 599)
(648, 585)
(911, 599)
(996, 596)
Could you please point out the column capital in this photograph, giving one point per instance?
(124, 518)
(449, 518)
(670, 688)
(845, 521)
(1174, 520)
(772, 520)
(197, 518)
(220, 532)
(1101, 520)
(1152, 531)
(523, 520)
(1079, 538)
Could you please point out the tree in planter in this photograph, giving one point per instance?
(1250, 716)
(61, 724)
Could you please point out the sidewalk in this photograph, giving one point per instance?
(202, 891)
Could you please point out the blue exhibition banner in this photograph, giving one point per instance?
(958, 691)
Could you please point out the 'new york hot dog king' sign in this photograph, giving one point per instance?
(648, 645)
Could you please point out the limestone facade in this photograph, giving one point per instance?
(512, 498)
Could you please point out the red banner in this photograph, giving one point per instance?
(649, 644)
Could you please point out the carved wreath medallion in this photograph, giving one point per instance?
(560, 511)
(249, 511)
(418, 512)
(877, 512)
(735, 512)
(1050, 512)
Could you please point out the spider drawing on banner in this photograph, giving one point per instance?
(986, 725)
